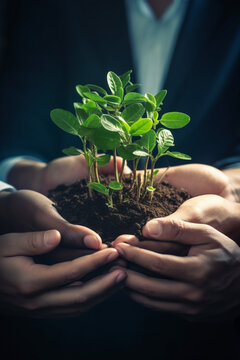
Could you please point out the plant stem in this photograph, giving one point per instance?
(139, 187)
(121, 172)
(95, 164)
(153, 162)
(145, 174)
(115, 164)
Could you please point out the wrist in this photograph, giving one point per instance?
(27, 174)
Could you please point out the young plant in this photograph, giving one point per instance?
(121, 122)
(107, 190)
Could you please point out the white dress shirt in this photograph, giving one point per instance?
(153, 41)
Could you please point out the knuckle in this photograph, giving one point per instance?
(80, 299)
(159, 266)
(33, 240)
(177, 228)
(196, 296)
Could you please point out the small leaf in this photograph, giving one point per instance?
(82, 89)
(165, 139)
(91, 108)
(125, 78)
(174, 120)
(148, 141)
(133, 113)
(115, 185)
(140, 153)
(115, 84)
(65, 120)
(132, 87)
(92, 122)
(155, 172)
(71, 151)
(104, 139)
(151, 102)
(103, 160)
(178, 155)
(99, 187)
(133, 97)
(155, 116)
(97, 88)
(98, 99)
(160, 97)
(150, 188)
(126, 151)
(112, 99)
(80, 113)
(141, 126)
(110, 123)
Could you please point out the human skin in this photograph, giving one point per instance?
(213, 203)
(35, 290)
(204, 285)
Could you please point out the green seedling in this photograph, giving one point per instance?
(121, 122)
(107, 190)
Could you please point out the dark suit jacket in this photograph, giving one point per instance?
(50, 46)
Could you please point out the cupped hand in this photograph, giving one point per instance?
(35, 290)
(27, 210)
(202, 285)
(67, 170)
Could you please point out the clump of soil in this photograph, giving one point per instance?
(128, 216)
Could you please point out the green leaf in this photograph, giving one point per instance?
(125, 78)
(140, 153)
(82, 89)
(112, 99)
(103, 160)
(151, 102)
(141, 127)
(155, 116)
(80, 113)
(92, 122)
(126, 151)
(150, 188)
(115, 84)
(132, 87)
(65, 120)
(124, 124)
(104, 139)
(148, 141)
(71, 151)
(89, 157)
(98, 99)
(97, 88)
(165, 139)
(155, 172)
(133, 113)
(133, 97)
(110, 123)
(178, 155)
(115, 185)
(160, 97)
(99, 187)
(91, 108)
(174, 120)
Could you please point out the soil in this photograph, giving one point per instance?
(128, 216)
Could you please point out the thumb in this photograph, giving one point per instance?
(29, 244)
(177, 230)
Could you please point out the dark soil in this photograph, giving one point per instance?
(126, 217)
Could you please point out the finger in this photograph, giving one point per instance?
(44, 277)
(161, 289)
(179, 231)
(164, 247)
(72, 235)
(30, 243)
(130, 239)
(61, 254)
(166, 306)
(84, 295)
(187, 268)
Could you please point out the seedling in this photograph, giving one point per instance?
(122, 122)
(107, 190)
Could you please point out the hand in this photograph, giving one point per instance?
(37, 290)
(202, 285)
(27, 210)
(199, 179)
(43, 177)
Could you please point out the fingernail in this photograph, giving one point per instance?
(92, 242)
(113, 255)
(120, 277)
(153, 228)
(50, 238)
